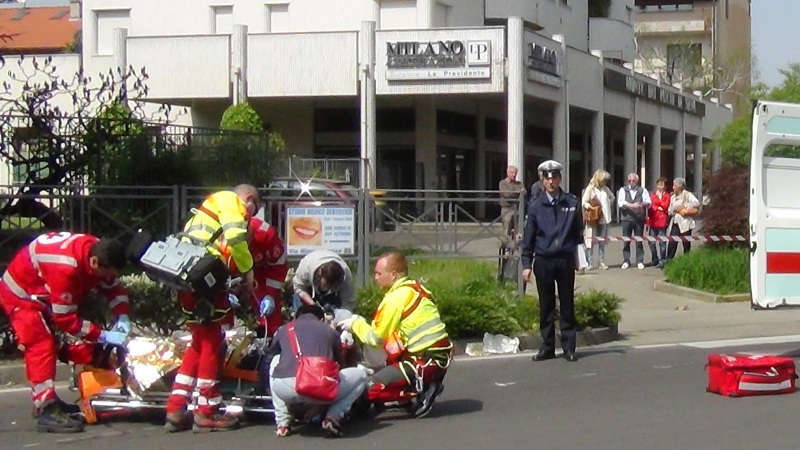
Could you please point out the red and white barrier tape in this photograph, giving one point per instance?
(698, 238)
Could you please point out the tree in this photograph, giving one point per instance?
(43, 118)
(680, 62)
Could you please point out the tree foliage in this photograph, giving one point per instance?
(727, 214)
(735, 139)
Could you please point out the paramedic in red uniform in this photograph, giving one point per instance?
(269, 271)
(40, 292)
(220, 222)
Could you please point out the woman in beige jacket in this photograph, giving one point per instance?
(598, 190)
(683, 206)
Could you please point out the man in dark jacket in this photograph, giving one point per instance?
(314, 338)
(552, 234)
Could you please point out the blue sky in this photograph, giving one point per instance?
(775, 36)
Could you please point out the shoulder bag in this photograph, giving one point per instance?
(317, 377)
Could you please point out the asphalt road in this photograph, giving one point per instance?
(612, 398)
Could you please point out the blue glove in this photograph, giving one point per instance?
(112, 337)
(267, 306)
(123, 324)
(234, 301)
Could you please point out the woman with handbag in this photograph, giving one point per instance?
(597, 200)
(683, 207)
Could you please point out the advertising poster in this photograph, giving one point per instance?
(320, 227)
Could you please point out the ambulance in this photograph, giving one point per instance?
(775, 206)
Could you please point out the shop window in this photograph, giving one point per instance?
(457, 124)
(396, 120)
(538, 136)
(337, 120)
(105, 21)
(496, 130)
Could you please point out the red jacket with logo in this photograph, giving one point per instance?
(52, 274)
(269, 259)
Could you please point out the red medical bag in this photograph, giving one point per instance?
(743, 375)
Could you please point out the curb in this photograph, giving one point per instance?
(14, 374)
(708, 297)
(529, 341)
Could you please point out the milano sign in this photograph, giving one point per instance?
(438, 60)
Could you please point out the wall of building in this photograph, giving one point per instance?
(555, 17)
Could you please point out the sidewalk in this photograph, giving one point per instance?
(651, 317)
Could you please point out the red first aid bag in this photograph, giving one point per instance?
(743, 375)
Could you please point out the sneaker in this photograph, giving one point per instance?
(332, 427)
(282, 431)
(640, 266)
(625, 265)
(603, 266)
(178, 421)
(426, 399)
(215, 422)
(54, 420)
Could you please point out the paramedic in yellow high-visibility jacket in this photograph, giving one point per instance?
(407, 325)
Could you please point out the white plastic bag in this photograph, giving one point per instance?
(498, 343)
(583, 263)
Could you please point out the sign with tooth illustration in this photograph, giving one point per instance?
(320, 227)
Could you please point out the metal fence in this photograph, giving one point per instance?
(438, 224)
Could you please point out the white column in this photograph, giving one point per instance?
(629, 151)
(425, 13)
(121, 56)
(561, 116)
(698, 165)
(598, 141)
(516, 92)
(368, 145)
(239, 63)
(654, 156)
(679, 151)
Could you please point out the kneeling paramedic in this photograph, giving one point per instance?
(221, 221)
(40, 292)
(323, 277)
(408, 326)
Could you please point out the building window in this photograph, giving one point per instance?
(105, 21)
(441, 15)
(222, 21)
(337, 120)
(456, 124)
(496, 130)
(684, 62)
(277, 17)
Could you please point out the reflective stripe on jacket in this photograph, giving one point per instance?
(407, 313)
(223, 210)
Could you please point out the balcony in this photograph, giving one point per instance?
(656, 27)
(613, 37)
(183, 67)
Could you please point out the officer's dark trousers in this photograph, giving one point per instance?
(549, 272)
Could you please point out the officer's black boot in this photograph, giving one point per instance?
(54, 420)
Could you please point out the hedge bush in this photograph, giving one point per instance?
(472, 302)
(717, 270)
(729, 209)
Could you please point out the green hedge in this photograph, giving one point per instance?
(720, 271)
(470, 299)
(472, 302)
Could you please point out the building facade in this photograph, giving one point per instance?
(701, 45)
(434, 94)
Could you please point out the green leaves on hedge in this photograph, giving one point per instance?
(720, 271)
(472, 302)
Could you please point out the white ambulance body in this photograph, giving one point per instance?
(775, 206)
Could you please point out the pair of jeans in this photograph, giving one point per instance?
(352, 382)
(662, 245)
(631, 228)
(600, 230)
(672, 248)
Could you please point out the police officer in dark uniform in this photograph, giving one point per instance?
(552, 234)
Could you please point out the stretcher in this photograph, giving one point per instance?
(114, 390)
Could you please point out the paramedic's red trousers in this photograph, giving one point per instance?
(40, 350)
(201, 367)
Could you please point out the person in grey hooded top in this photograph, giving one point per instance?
(323, 277)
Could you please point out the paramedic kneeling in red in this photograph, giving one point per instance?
(408, 326)
(40, 292)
